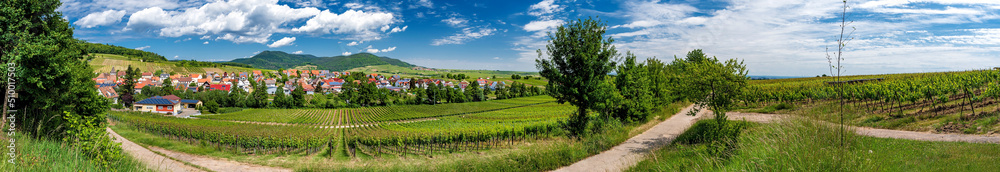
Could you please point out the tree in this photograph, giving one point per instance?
(168, 87)
(713, 84)
(280, 100)
(298, 96)
(127, 90)
(53, 80)
(579, 57)
(475, 93)
(659, 82)
(634, 86)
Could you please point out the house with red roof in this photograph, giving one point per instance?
(223, 87)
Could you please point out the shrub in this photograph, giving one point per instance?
(87, 134)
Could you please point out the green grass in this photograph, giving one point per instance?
(802, 145)
(45, 155)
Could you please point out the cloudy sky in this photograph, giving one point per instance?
(773, 37)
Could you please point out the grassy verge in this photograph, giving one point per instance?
(46, 155)
(807, 146)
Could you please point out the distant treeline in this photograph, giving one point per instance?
(194, 63)
(119, 50)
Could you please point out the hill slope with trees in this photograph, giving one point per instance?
(119, 50)
(279, 59)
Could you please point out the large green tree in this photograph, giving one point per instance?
(52, 71)
(56, 97)
(578, 59)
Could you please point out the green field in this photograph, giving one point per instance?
(365, 115)
(107, 62)
(412, 129)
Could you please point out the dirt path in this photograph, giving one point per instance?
(216, 164)
(161, 163)
(152, 160)
(633, 150)
(877, 132)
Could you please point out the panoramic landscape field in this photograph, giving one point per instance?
(550, 85)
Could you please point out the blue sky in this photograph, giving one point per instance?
(773, 37)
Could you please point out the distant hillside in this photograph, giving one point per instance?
(122, 51)
(111, 62)
(277, 59)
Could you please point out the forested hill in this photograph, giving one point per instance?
(278, 59)
(122, 51)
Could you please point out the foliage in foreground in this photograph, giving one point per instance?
(52, 155)
(56, 96)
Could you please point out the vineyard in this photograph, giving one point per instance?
(105, 62)
(355, 116)
(372, 131)
(946, 101)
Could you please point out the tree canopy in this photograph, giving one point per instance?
(577, 60)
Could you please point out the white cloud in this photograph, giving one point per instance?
(542, 25)
(242, 21)
(455, 21)
(297, 52)
(544, 8)
(282, 42)
(142, 48)
(466, 35)
(354, 5)
(101, 19)
(397, 29)
(206, 42)
(789, 38)
(345, 53)
(372, 50)
(426, 3)
(359, 25)
(947, 10)
(176, 56)
(237, 21)
(496, 58)
(353, 43)
(388, 49)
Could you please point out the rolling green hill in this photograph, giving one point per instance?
(122, 51)
(277, 59)
(107, 62)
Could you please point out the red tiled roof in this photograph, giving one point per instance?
(172, 97)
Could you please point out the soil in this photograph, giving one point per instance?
(152, 160)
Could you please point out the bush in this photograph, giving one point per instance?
(87, 134)
(721, 137)
(211, 106)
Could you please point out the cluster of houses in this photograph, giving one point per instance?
(227, 81)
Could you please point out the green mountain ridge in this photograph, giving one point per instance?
(278, 59)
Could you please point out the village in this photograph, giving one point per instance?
(311, 81)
